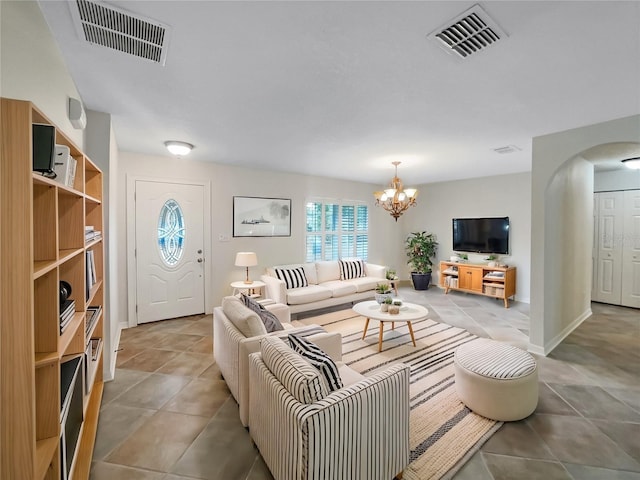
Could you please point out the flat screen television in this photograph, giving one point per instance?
(481, 235)
(44, 149)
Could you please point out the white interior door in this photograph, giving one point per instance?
(169, 250)
(631, 250)
(594, 250)
(610, 231)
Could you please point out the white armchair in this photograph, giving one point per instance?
(231, 347)
(358, 431)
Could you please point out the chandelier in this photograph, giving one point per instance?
(396, 199)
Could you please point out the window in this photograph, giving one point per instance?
(336, 230)
(171, 232)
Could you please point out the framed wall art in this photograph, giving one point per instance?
(261, 217)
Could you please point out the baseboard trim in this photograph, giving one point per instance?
(114, 345)
(555, 341)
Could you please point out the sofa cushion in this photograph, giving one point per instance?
(320, 360)
(312, 293)
(271, 322)
(351, 269)
(296, 375)
(348, 375)
(327, 271)
(364, 284)
(292, 277)
(245, 320)
(339, 288)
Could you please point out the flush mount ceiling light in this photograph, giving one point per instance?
(632, 163)
(179, 149)
(396, 199)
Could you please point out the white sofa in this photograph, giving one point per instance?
(231, 348)
(304, 432)
(325, 288)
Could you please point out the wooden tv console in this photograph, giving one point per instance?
(497, 282)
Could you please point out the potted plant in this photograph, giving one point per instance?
(421, 248)
(383, 291)
(492, 259)
(384, 306)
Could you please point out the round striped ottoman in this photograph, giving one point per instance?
(496, 380)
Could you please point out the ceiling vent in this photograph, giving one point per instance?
(112, 27)
(471, 32)
(507, 149)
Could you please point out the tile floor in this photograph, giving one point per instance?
(168, 414)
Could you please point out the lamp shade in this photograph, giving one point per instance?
(246, 259)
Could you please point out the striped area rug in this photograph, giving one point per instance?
(443, 432)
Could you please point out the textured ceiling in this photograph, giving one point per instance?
(341, 89)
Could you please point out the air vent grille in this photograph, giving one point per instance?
(471, 32)
(111, 27)
(507, 149)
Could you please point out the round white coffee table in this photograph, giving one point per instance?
(409, 312)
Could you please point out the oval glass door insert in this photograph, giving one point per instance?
(171, 233)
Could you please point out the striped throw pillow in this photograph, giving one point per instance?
(296, 375)
(292, 277)
(316, 357)
(351, 269)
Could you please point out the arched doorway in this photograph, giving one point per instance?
(561, 227)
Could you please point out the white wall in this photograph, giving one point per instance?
(102, 149)
(550, 152)
(569, 217)
(31, 66)
(497, 196)
(385, 238)
(626, 179)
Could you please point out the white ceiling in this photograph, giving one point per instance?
(341, 89)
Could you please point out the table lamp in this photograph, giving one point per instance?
(246, 259)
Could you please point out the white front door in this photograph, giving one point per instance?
(631, 250)
(169, 250)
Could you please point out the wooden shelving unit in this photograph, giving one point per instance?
(42, 243)
(498, 282)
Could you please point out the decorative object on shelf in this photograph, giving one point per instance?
(383, 291)
(261, 217)
(421, 247)
(492, 259)
(397, 302)
(394, 309)
(391, 275)
(633, 163)
(396, 199)
(246, 259)
(463, 256)
(179, 149)
(65, 291)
